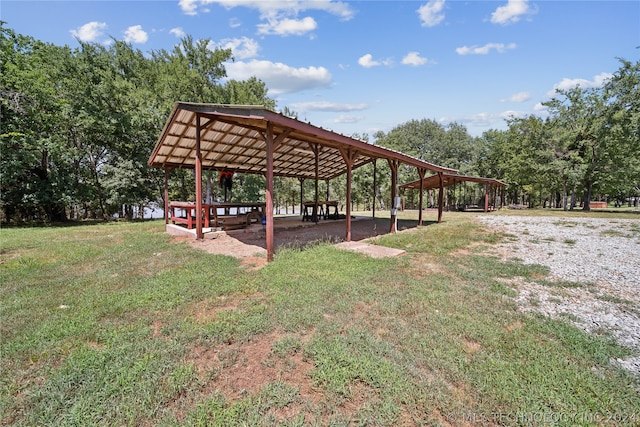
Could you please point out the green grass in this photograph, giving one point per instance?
(116, 324)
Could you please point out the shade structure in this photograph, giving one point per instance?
(433, 181)
(254, 139)
(233, 137)
(442, 180)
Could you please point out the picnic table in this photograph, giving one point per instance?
(313, 210)
(224, 215)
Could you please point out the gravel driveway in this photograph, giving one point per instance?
(601, 259)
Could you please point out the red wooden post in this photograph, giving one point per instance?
(393, 164)
(440, 196)
(421, 173)
(166, 197)
(199, 234)
(349, 157)
(486, 197)
(269, 194)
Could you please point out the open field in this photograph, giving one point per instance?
(119, 324)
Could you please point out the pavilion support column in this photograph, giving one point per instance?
(440, 196)
(421, 173)
(316, 152)
(394, 164)
(326, 198)
(199, 234)
(301, 191)
(166, 196)
(269, 193)
(375, 189)
(349, 157)
(486, 198)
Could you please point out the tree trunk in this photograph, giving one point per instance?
(587, 197)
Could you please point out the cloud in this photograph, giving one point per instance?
(178, 32)
(367, 61)
(518, 97)
(189, 6)
(347, 119)
(135, 34)
(280, 78)
(241, 48)
(414, 58)
(280, 16)
(287, 26)
(482, 121)
(566, 84)
(328, 106)
(431, 13)
(511, 12)
(90, 31)
(484, 50)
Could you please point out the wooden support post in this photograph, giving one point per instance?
(269, 193)
(199, 233)
(301, 195)
(486, 198)
(393, 164)
(421, 173)
(166, 196)
(349, 157)
(440, 196)
(316, 151)
(375, 189)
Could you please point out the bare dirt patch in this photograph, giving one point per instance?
(249, 245)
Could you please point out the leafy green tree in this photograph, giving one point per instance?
(35, 166)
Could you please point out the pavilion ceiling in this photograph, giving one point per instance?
(234, 138)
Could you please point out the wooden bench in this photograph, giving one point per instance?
(235, 215)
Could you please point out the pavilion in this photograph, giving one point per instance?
(252, 139)
(446, 179)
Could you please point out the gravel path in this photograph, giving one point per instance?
(601, 257)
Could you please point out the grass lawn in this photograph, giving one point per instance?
(116, 324)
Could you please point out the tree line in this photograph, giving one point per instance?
(78, 125)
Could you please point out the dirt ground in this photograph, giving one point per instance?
(250, 244)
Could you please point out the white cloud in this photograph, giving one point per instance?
(566, 84)
(431, 13)
(328, 106)
(414, 58)
(241, 48)
(518, 97)
(287, 26)
(347, 119)
(280, 16)
(135, 34)
(367, 61)
(280, 78)
(289, 7)
(484, 50)
(178, 32)
(188, 6)
(90, 31)
(511, 12)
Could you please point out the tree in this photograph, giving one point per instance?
(35, 164)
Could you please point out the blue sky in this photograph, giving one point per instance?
(360, 67)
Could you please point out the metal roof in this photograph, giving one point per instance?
(433, 181)
(234, 137)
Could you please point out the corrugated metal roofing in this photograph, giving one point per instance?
(234, 137)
